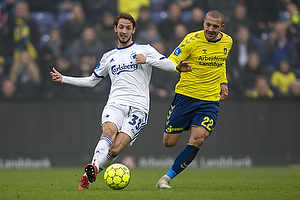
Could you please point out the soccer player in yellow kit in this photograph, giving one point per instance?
(198, 93)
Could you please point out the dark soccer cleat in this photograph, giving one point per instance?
(84, 183)
(91, 172)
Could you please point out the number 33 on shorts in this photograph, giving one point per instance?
(134, 121)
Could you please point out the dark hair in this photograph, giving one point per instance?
(124, 16)
(215, 14)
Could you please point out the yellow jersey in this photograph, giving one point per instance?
(208, 60)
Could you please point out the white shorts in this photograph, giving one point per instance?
(128, 120)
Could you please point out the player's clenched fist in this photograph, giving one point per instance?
(140, 59)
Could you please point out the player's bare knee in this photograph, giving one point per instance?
(197, 141)
(170, 140)
(169, 143)
(108, 132)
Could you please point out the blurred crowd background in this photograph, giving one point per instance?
(72, 35)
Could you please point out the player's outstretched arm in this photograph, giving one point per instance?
(56, 76)
(89, 81)
(184, 66)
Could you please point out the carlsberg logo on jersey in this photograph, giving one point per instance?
(117, 69)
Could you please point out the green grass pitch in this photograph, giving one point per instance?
(265, 183)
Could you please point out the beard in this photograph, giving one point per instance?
(124, 41)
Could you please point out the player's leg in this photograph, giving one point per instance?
(107, 138)
(170, 140)
(178, 119)
(197, 137)
(112, 119)
(121, 141)
(174, 124)
(100, 154)
(132, 124)
(202, 124)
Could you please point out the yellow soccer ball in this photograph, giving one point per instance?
(117, 176)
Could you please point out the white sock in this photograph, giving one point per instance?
(101, 151)
(107, 161)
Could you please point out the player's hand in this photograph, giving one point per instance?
(56, 76)
(140, 59)
(224, 92)
(184, 66)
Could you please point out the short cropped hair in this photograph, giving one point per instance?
(215, 14)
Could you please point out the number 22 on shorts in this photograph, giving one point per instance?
(207, 123)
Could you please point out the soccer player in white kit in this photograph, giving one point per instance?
(129, 67)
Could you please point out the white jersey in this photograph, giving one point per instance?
(129, 80)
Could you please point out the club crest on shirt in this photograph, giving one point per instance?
(133, 55)
(225, 51)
